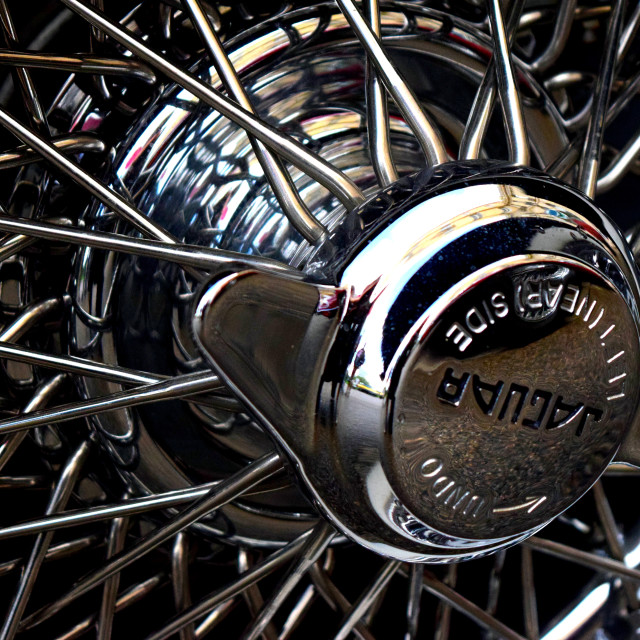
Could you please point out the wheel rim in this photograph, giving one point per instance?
(269, 514)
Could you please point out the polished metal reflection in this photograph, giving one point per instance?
(182, 159)
(424, 386)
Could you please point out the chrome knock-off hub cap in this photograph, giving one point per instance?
(466, 373)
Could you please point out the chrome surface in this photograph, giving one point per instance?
(287, 147)
(588, 174)
(509, 95)
(408, 104)
(383, 321)
(429, 376)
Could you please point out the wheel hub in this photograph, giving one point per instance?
(468, 377)
(194, 173)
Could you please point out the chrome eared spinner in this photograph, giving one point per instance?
(468, 375)
(301, 304)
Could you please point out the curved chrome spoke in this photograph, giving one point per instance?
(279, 179)
(71, 143)
(620, 165)
(508, 89)
(41, 398)
(180, 580)
(559, 37)
(30, 317)
(482, 108)
(590, 163)
(377, 111)
(317, 168)
(562, 165)
(77, 64)
(416, 118)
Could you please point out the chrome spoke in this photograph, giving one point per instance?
(450, 596)
(314, 166)
(628, 34)
(592, 150)
(29, 317)
(58, 501)
(427, 135)
(584, 558)
(134, 506)
(80, 366)
(559, 37)
(22, 482)
(297, 613)
(508, 89)
(183, 254)
(56, 552)
(110, 198)
(336, 600)
(443, 612)
(41, 398)
(224, 492)
(414, 597)
(529, 602)
(85, 63)
(367, 598)
(93, 369)
(377, 110)
(252, 595)
(495, 582)
(234, 587)
(613, 537)
(484, 101)
(25, 83)
(313, 548)
(180, 580)
(178, 387)
(561, 166)
(129, 597)
(279, 179)
(71, 143)
(620, 165)
(216, 616)
(115, 544)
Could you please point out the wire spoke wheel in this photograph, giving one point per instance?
(260, 378)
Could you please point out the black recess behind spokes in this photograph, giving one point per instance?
(151, 147)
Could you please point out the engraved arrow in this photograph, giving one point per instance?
(530, 505)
